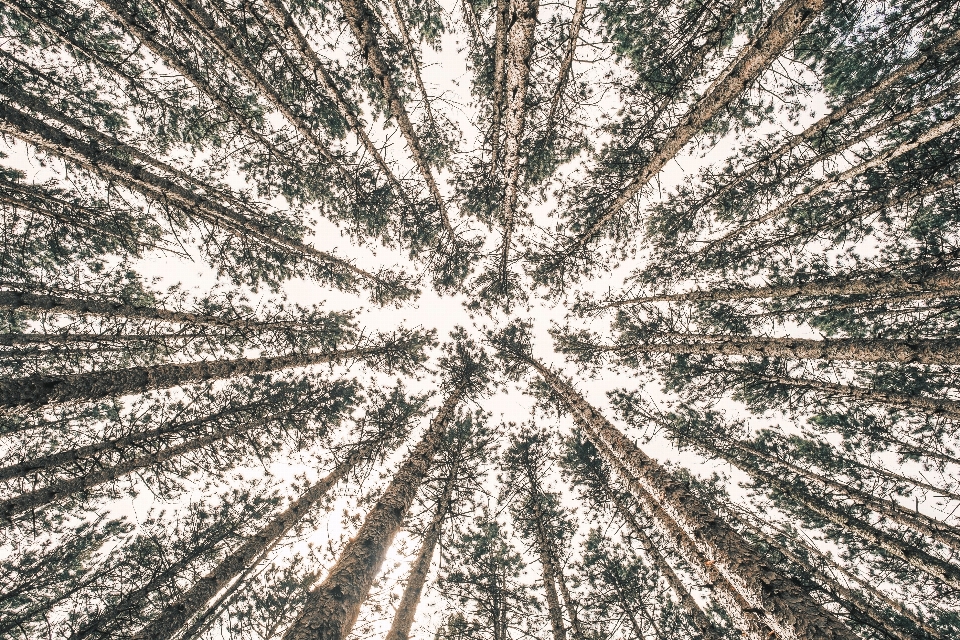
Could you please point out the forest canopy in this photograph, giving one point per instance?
(480, 319)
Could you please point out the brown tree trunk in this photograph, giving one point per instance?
(414, 63)
(880, 159)
(790, 19)
(309, 55)
(115, 444)
(919, 287)
(788, 610)
(154, 187)
(332, 608)
(179, 613)
(944, 352)
(849, 598)
(501, 42)
(521, 37)
(364, 27)
(38, 390)
(563, 74)
(406, 611)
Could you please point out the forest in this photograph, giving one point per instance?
(480, 319)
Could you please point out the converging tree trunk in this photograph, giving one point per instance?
(787, 608)
(332, 608)
(193, 602)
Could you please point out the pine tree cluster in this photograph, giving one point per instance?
(743, 213)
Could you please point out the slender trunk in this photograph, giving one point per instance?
(521, 35)
(18, 339)
(154, 187)
(320, 72)
(814, 131)
(403, 619)
(790, 19)
(575, 627)
(944, 352)
(46, 495)
(788, 610)
(32, 302)
(414, 62)
(332, 608)
(880, 159)
(881, 285)
(40, 389)
(364, 28)
(943, 571)
(697, 616)
(940, 532)
(578, 11)
(113, 445)
(193, 602)
(550, 585)
(935, 406)
(850, 598)
(500, 44)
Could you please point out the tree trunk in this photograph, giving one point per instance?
(309, 55)
(940, 569)
(15, 301)
(944, 352)
(880, 159)
(850, 598)
(179, 613)
(332, 608)
(115, 444)
(44, 496)
(158, 188)
(883, 285)
(364, 27)
(40, 389)
(521, 36)
(500, 44)
(698, 618)
(788, 610)
(563, 74)
(414, 62)
(403, 619)
(575, 627)
(790, 19)
(815, 130)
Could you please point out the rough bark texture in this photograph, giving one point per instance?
(500, 44)
(521, 37)
(932, 133)
(881, 286)
(363, 25)
(38, 390)
(567, 63)
(414, 61)
(332, 608)
(44, 496)
(788, 609)
(407, 609)
(782, 28)
(921, 351)
(179, 613)
(155, 187)
(116, 444)
(315, 64)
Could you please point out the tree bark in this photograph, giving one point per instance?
(500, 43)
(414, 62)
(788, 610)
(932, 133)
(38, 390)
(332, 608)
(154, 187)
(315, 64)
(179, 613)
(521, 36)
(944, 352)
(563, 74)
(790, 19)
(115, 444)
(882, 285)
(364, 28)
(406, 611)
